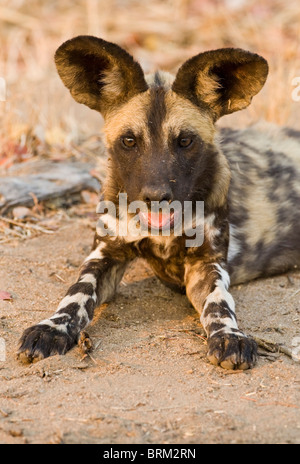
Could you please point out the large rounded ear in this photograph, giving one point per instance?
(99, 74)
(224, 80)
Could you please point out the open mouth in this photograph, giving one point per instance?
(157, 220)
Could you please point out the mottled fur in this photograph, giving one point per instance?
(249, 181)
(264, 200)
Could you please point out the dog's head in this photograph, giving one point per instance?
(160, 129)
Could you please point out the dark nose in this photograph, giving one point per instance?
(156, 193)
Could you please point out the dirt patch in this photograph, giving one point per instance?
(148, 379)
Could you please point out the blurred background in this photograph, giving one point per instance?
(39, 117)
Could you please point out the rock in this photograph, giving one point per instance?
(46, 180)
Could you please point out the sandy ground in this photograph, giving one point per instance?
(148, 379)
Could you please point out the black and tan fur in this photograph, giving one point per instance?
(249, 181)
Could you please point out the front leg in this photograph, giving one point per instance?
(97, 283)
(207, 289)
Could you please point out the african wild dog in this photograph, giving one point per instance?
(160, 136)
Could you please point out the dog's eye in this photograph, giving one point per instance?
(185, 142)
(129, 142)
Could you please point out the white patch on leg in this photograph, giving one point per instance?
(50, 323)
(83, 316)
(58, 315)
(220, 294)
(88, 278)
(224, 275)
(79, 298)
(227, 330)
(234, 248)
(97, 253)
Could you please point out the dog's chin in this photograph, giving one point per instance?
(157, 221)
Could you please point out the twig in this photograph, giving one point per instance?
(295, 293)
(4, 413)
(270, 403)
(26, 226)
(5, 240)
(193, 331)
(59, 278)
(273, 347)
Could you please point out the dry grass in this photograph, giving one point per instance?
(39, 116)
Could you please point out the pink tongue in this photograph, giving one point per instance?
(157, 220)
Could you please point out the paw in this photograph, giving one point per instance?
(41, 341)
(232, 351)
